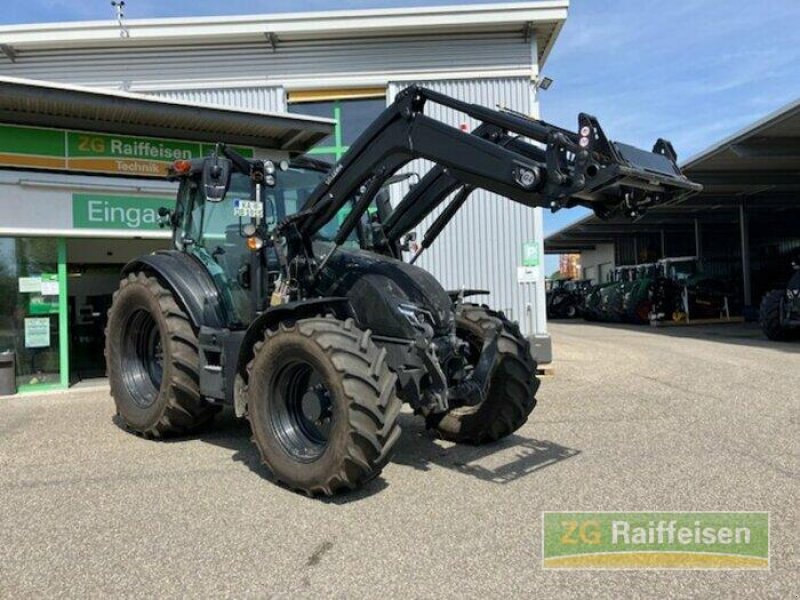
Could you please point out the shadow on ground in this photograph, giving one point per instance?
(502, 462)
(742, 334)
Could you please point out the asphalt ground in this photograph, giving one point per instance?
(634, 419)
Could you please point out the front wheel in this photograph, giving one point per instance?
(512, 389)
(322, 405)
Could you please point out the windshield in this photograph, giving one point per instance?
(215, 223)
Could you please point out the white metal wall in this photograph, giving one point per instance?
(482, 245)
(174, 66)
(264, 99)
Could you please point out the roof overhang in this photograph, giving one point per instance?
(542, 19)
(759, 165)
(44, 104)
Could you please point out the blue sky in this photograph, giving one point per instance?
(693, 71)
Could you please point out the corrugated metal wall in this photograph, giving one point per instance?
(482, 245)
(136, 65)
(264, 99)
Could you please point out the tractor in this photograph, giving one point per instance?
(682, 292)
(286, 293)
(566, 297)
(780, 309)
(637, 302)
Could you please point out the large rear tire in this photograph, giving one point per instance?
(512, 390)
(770, 317)
(322, 405)
(152, 360)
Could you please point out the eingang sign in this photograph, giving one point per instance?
(102, 211)
(65, 150)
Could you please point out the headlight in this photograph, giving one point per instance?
(269, 167)
(419, 318)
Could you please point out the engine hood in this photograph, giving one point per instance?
(387, 295)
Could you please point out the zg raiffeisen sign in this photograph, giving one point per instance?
(99, 211)
(65, 150)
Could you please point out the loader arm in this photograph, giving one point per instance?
(582, 168)
(439, 183)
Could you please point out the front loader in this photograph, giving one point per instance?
(286, 295)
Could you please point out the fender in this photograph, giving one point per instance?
(302, 309)
(188, 279)
(454, 294)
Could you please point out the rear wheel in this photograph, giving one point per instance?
(771, 317)
(322, 405)
(152, 360)
(512, 390)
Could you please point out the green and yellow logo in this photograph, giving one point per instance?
(65, 150)
(660, 540)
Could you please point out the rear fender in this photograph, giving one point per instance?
(466, 293)
(188, 279)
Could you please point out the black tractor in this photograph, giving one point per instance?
(566, 297)
(780, 310)
(287, 296)
(682, 292)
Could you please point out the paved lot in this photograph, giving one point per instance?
(634, 420)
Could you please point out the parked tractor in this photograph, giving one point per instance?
(780, 310)
(682, 292)
(606, 302)
(566, 297)
(637, 302)
(285, 293)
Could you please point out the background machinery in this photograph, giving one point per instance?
(780, 309)
(566, 297)
(286, 295)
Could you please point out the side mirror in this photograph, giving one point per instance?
(216, 178)
(164, 216)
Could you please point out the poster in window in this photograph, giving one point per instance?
(37, 332)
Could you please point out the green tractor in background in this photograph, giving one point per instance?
(637, 302)
(606, 302)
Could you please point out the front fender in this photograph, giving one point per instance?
(291, 311)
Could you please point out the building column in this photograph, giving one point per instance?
(698, 240)
(744, 230)
(663, 244)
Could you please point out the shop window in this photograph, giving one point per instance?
(353, 111)
(30, 307)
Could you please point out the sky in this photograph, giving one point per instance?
(691, 71)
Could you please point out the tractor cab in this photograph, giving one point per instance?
(225, 213)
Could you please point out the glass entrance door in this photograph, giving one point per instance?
(32, 307)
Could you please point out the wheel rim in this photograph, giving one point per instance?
(142, 358)
(301, 411)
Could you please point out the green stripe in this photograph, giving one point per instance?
(31, 140)
(63, 325)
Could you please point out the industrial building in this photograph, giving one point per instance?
(91, 113)
(744, 227)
